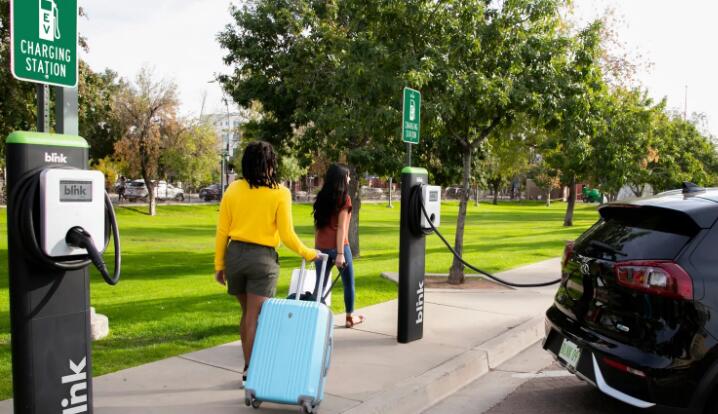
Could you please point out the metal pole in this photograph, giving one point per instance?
(221, 175)
(43, 108)
(226, 165)
(408, 154)
(66, 111)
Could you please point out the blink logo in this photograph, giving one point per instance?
(56, 158)
(77, 403)
(420, 303)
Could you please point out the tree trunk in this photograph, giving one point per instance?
(496, 193)
(355, 195)
(152, 203)
(568, 220)
(456, 273)
(548, 197)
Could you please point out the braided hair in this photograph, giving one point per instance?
(259, 165)
(333, 195)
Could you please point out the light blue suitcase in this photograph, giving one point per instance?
(292, 351)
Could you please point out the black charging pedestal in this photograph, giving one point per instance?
(49, 308)
(412, 254)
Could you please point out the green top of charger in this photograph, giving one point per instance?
(41, 138)
(414, 170)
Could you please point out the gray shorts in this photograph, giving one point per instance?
(251, 268)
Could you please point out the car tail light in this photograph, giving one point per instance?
(623, 367)
(567, 253)
(662, 278)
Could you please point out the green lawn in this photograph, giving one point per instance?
(168, 303)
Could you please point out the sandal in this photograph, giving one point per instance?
(353, 320)
(244, 377)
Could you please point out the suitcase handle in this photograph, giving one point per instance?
(303, 275)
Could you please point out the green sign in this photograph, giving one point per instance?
(44, 41)
(411, 125)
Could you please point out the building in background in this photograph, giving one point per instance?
(228, 129)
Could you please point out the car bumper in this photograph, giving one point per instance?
(657, 386)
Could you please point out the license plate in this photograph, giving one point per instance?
(570, 353)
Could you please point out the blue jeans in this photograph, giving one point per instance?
(347, 274)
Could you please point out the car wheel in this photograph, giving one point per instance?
(180, 197)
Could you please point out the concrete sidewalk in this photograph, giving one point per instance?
(465, 334)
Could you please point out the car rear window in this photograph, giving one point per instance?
(637, 234)
(137, 184)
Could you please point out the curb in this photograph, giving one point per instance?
(419, 393)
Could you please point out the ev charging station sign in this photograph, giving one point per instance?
(410, 127)
(44, 41)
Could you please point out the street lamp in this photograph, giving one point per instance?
(224, 171)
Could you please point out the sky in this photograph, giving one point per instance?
(177, 38)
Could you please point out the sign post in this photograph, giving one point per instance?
(411, 120)
(44, 41)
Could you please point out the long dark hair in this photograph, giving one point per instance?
(259, 165)
(332, 196)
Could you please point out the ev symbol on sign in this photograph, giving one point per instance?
(49, 20)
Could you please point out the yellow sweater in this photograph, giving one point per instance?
(257, 215)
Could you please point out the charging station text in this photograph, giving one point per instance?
(48, 60)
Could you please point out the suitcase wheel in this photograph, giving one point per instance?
(308, 408)
(251, 401)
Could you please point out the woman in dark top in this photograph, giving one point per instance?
(332, 213)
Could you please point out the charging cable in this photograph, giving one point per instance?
(415, 197)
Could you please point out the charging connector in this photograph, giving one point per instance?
(80, 238)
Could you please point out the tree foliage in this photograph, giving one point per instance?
(189, 153)
(99, 123)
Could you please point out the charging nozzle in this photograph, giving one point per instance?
(80, 238)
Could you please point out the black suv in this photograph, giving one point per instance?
(636, 313)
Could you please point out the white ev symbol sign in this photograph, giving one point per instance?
(49, 18)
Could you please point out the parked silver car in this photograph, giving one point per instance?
(137, 190)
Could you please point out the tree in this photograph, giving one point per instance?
(546, 179)
(99, 123)
(578, 114)
(679, 153)
(504, 158)
(190, 153)
(326, 73)
(483, 63)
(621, 149)
(111, 170)
(291, 170)
(146, 109)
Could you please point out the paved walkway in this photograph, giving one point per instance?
(465, 334)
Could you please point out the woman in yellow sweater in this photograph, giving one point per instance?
(255, 213)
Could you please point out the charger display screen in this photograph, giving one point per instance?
(433, 196)
(75, 191)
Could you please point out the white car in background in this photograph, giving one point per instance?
(137, 190)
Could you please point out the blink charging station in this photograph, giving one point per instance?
(59, 222)
(416, 197)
